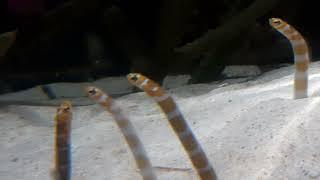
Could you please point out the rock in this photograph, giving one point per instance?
(235, 71)
(175, 81)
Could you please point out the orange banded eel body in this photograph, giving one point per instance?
(301, 55)
(62, 170)
(178, 123)
(127, 130)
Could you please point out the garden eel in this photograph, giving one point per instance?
(127, 131)
(301, 56)
(178, 123)
(62, 167)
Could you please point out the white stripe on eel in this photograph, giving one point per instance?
(154, 89)
(196, 150)
(301, 75)
(120, 117)
(114, 107)
(175, 113)
(285, 28)
(145, 82)
(161, 98)
(300, 94)
(137, 150)
(297, 42)
(127, 130)
(103, 98)
(301, 57)
(294, 33)
(205, 169)
(184, 134)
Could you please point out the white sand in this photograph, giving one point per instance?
(251, 130)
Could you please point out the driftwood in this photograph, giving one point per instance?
(228, 31)
(170, 29)
(220, 42)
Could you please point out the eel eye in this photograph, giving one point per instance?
(66, 109)
(63, 109)
(134, 78)
(92, 91)
(277, 22)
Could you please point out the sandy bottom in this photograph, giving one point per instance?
(249, 130)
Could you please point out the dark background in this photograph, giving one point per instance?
(80, 40)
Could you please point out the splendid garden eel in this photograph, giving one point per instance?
(62, 165)
(127, 131)
(178, 124)
(301, 56)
